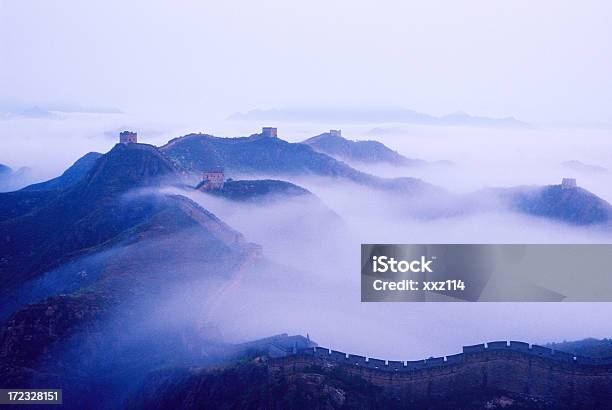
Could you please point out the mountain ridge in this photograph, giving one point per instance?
(89, 213)
(274, 157)
(74, 174)
(574, 205)
(367, 151)
(259, 190)
(94, 253)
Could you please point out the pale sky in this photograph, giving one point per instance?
(541, 61)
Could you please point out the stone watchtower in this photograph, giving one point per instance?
(335, 133)
(213, 178)
(568, 183)
(269, 132)
(128, 137)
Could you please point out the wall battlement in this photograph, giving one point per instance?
(468, 351)
(500, 366)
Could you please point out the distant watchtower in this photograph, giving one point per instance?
(212, 179)
(568, 183)
(335, 133)
(128, 137)
(270, 132)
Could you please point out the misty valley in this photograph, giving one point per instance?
(148, 274)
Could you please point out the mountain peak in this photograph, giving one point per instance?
(128, 166)
(575, 205)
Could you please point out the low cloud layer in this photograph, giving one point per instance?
(310, 282)
(313, 285)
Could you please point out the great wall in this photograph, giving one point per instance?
(514, 367)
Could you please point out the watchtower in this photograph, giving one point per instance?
(568, 183)
(335, 133)
(270, 132)
(128, 137)
(213, 178)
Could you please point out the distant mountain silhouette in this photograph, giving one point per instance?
(589, 347)
(461, 118)
(5, 176)
(582, 167)
(359, 151)
(36, 112)
(391, 115)
(50, 111)
(11, 180)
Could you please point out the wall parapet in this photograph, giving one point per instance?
(531, 350)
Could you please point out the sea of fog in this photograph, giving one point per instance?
(312, 283)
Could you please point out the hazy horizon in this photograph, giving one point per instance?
(544, 62)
